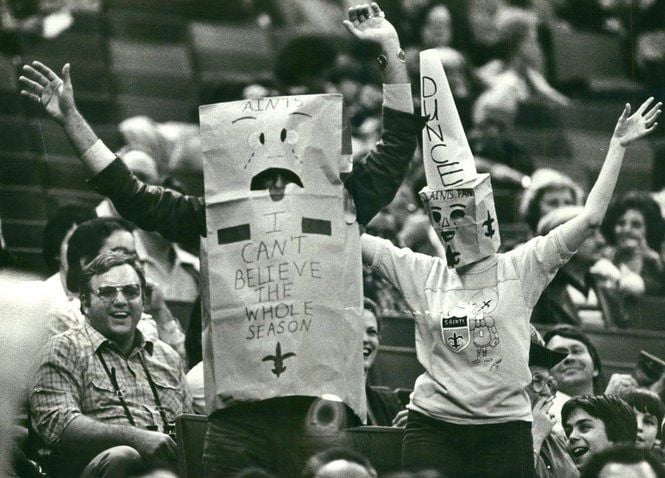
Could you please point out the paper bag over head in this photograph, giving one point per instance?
(459, 201)
(283, 277)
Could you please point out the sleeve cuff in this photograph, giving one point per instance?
(397, 96)
(98, 151)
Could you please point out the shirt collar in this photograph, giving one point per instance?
(97, 339)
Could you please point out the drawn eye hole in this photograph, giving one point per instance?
(282, 135)
(457, 215)
(436, 216)
(256, 139)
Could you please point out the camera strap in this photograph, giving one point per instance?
(121, 396)
(155, 395)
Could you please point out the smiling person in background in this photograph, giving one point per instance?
(635, 227)
(649, 411)
(595, 422)
(383, 404)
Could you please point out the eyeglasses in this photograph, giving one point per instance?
(108, 293)
(540, 383)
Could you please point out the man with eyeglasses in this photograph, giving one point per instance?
(549, 448)
(104, 398)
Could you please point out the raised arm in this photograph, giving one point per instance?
(375, 180)
(178, 217)
(56, 95)
(629, 128)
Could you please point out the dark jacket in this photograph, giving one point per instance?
(372, 183)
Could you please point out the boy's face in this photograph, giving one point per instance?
(647, 429)
(586, 435)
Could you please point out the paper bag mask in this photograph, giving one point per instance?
(283, 268)
(460, 202)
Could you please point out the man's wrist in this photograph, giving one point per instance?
(390, 55)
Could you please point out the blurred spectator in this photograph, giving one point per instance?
(386, 296)
(595, 422)
(383, 404)
(418, 235)
(519, 63)
(649, 411)
(167, 264)
(623, 461)
(634, 227)
(338, 462)
(574, 295)
(493, 143)
(55, 238)
(549, 189)
(549, 447)
(90, 239)
(482, 17)
(173, 145)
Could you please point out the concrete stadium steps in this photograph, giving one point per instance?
(231, 52)
(47, 137)
(546, 142)
(159, 109)
(167, 60)
(14, 134)
(600, 60)
(155, 27)
(150, 85)
(78, 48)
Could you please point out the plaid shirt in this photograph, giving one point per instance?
(71, 381)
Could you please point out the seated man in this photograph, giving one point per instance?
(595, 422)
(550, 455)
(104, 398)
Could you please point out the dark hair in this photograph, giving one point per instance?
(370, 305)
(57, 228)
(646, 401)
(645, 205)
(86, 241)
(614, 412)
(318, 460)
(103, 263)
(624, 454)
(571, 332)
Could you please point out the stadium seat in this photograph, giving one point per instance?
(190, 432)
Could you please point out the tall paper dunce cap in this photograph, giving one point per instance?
(459, 201)
(446, 153)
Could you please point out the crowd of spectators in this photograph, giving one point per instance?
(495, 56)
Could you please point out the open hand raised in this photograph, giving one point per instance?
(43, 86)
(368, 22)
(632, 127)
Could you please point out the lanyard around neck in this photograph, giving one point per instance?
(121, 396)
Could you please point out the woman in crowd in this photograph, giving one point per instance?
(634, 227)
(549, 189)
